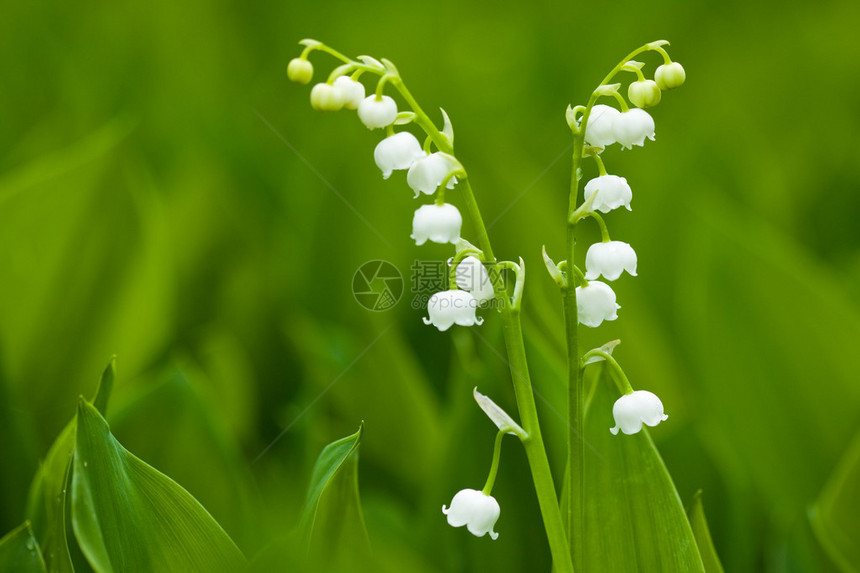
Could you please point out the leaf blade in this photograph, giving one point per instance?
(635, 516)
(19, 551)
(333, 511)
(127, 516)
(702, 533)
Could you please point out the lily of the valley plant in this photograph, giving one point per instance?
(410, 141)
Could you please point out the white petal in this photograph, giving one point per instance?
(472, 276)
(599, 129)
(438, 223)
(376, 113)
(397, 151)
(611, 192)
(596, 303)
(609, 259)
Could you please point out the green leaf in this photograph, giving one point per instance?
(332, 516)
(635, 518)
(129, 517)
(47, 506)
(19, 552)
(703, 536)
(835, 518)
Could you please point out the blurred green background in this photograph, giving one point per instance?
(168, 196)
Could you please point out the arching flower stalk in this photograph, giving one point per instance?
(432, 168)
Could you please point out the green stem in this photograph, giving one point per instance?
(494, 468)
(574, 509)
(621, 378)
(512, 329)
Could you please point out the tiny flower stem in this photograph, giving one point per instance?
(621, 101)
(621, 379)
(666, 59)
(601, 168)
(604, 230)
(494, 468)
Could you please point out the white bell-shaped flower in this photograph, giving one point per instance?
(352, 91)
(599, 131)
(631, 410)
(474, 509)
(376, 113)
(595, 303)
(397, 151)
(632, 127)
(609, 259)
(472, 276)
(612, 192)
(451, 307)
(438, 223)
(427, 173)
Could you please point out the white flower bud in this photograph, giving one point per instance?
(300, 71)
(612, 192)
(438, 223)
(472, 276)
(353, 91)
(326, 97)
(598, 130)
(427, 173)
(376, 113)
(631, 410)
(644, 93)
(670, 76)
(451, 307)
(632, 127)
(595, 303)
(609, 259)
(397, 151)
(474, 509)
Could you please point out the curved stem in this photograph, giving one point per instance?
(621, 381)
(494, 468)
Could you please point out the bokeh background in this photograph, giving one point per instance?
(168, 196)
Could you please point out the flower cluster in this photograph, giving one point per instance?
(427, 173)
(601, 126)
(604, 126)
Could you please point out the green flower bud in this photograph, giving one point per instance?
(326, 97)
(300, 71)
(670, 76)
(644, 93)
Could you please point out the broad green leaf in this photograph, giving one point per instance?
(634, 516)
(710, 559)
(47, 505)
(332, 517)
(129, 517)
(835, 516)
(173, 418)
(19, 552)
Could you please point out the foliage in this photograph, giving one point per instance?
(146, 210)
